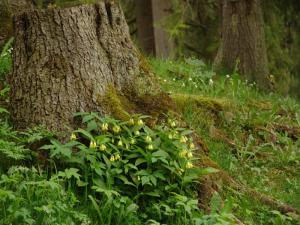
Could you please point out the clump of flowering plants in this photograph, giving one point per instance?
(115, 158)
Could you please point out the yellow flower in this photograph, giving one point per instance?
(192, 146)
(139, 178)
(150, 147)
(112, 159)
(120, 143)
(117, 157)
(102, 147)
(173, 124)
(131, 122)
(183, 139)
(137, 133)
(140, 122)
(104, 127)
(132, 141)
(183, 153)
(73, 137)
(180, 171)
(93, 144)
(148, 139)
(170, 136)
(116, 129)
(189, 165)
(190, 155)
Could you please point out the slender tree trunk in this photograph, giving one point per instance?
(145, 26)
(65, 60)
(153, 38)
(163, 42)
(243, 40)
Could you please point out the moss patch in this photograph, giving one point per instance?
(213, 104)
(121, 104)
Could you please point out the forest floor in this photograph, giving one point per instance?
(253, 136)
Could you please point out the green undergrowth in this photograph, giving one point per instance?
(127, 172)
(110, 172)
(254, 136)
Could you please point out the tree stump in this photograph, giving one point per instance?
(65, 60)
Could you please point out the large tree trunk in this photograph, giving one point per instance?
(153, 38)
(65, 60)
(7, 9)
(243, 40)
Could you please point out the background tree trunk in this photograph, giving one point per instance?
(65, 60)
(243, 40)
(145, 26)
(153, 38)
(7, 9)
(163, 42)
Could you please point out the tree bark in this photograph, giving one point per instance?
(243, 40)
(152, 37)
(65, 60)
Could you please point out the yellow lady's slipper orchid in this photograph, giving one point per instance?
(93, 144)
(183, 153)
(117, 157)
(102, 147)
(180, 171)
(104, 127)
(73, 137)
(116, 129)
(140, 122)
(148, 139)
(150, 147)
(112, 159)
(137, 133)
(183, 139)
(132, 141)
(189, 165)
(131, 122)
(120, 143)
(190, 155)
(192, 146)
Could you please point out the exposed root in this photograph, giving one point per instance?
(292, 132)
(214, 182)
(217, 134)
(270, 131)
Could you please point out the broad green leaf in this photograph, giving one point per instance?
(85, 133)
(140, 161)
(145, 180)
